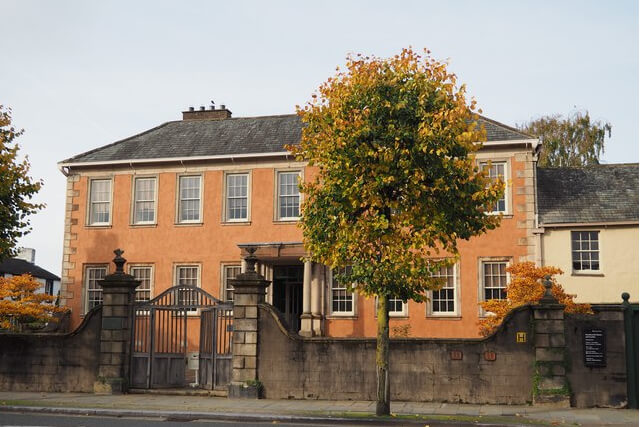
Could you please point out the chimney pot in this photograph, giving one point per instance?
(204, 113)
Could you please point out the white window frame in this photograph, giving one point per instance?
(135, 201)
(176, 277)
(507, 180)
(481, 287)
(86, 285)
(225, 204)
(179, 199)
(581, 272)
(90, 202)
(225, 288)
(178, 267)
(340, 288)
(403, 313)
(278, 173)
(456, 296)
(133, 267)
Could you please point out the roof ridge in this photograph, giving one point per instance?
(233, 118)
(116, 142)
(262, 117)
(589, 166)
(511, 128)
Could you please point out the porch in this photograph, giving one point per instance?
(298, 285)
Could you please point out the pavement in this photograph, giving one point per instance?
(189, 408)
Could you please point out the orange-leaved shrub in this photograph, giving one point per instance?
(526, 287)
(20, 304)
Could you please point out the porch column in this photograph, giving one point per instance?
(305, 320)
(118, 300)
(316, 299)
(248, 293)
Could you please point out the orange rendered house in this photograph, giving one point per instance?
(185, 198)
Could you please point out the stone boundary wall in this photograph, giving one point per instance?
(605, 386)
(52, 362)
(497, 369)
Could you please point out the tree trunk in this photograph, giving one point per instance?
(383, 395)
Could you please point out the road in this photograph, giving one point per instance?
(49, 420)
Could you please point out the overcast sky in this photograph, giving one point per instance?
(82, 74)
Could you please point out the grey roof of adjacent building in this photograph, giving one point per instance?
(17, 266)
(594, 194)
(234, 136)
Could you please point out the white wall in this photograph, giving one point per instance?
(618, 263)
(43, 282)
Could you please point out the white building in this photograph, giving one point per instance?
(24, 263)
(588, 219)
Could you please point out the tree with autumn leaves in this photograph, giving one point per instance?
(397, 184)
(526, 287)
(19, 302)
(16, 188)
(21, 305)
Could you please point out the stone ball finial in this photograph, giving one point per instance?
(547, 284)
(625, 298)
(548, 297)
(119, 261)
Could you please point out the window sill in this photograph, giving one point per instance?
(398, 316)
(587, 274)
(486, 314)
(286, 221)
(338, 316)
(189, 224)
(444, 317)
(503, 214)
(224, 223)
(150, 225)
(98, 226)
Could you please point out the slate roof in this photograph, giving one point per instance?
(16, 267)
(240, 136)
(497, 131)
(603, 193)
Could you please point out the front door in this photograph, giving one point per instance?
(287, 293)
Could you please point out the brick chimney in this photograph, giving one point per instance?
(212, 113)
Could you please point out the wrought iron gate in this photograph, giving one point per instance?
(182, 321)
